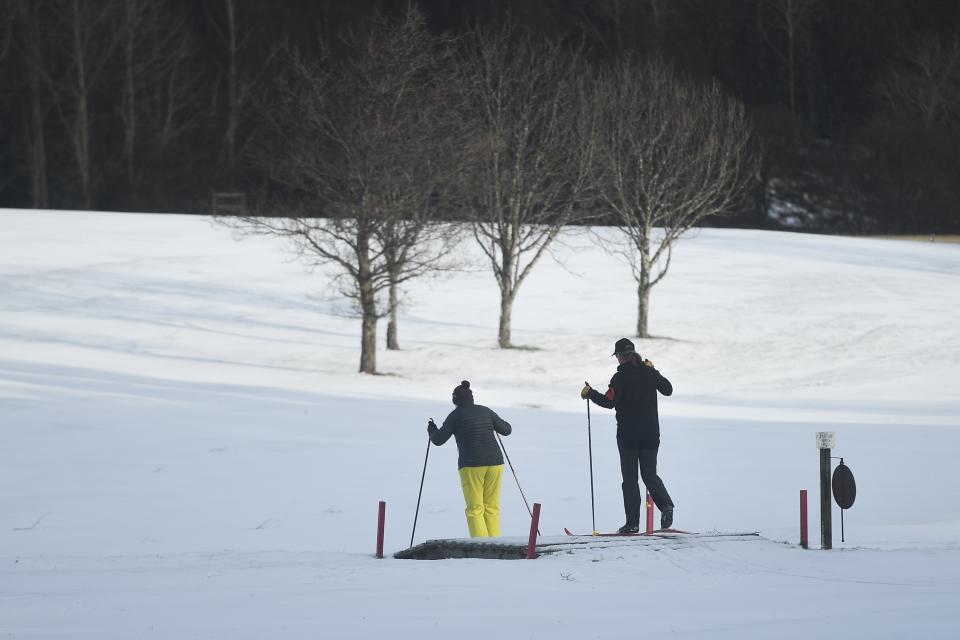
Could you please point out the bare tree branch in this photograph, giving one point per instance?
(159, 86)
(792, 20)
(671, 153)
(365, 145)
(86, 35)
(925, 87)
(530, 155)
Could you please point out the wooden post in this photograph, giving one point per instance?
(804, 542)
(825, 444)
(381, 517)
(826, 513)
(534, 526)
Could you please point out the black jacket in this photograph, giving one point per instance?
(473, 426)
(633, 393)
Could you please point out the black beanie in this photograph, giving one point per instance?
(462, 394)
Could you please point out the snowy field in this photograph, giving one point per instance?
(188, 451)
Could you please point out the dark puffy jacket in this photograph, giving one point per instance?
(633, 393)
(473, 425)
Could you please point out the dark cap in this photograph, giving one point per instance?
(462, 394)
(623, 346)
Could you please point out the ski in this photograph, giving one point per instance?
(623, 535)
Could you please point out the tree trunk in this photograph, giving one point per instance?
(791, 68)
(82, 143)
(813, 63)
(368, 331)
(36, 138)
(368, 306)
(506, 310)
(81, 120)
(368, 343)
(507, 292)
(130, 101)
(643, 287)
(392, 342)
(232, 92)
(643, 292)
(38, 148)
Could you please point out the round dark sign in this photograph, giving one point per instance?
(844, 487)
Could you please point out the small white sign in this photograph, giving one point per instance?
(824, 439)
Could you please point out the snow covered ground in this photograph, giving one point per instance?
(187, 450)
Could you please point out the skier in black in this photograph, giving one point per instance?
(633, 393)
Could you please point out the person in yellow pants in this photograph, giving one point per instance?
(479, 460)
(481, 491)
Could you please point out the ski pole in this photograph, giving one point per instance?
(516, 478)
(593, 514)
(417, 512)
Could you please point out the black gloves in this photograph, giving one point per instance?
(431, 426)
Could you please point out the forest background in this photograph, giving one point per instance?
(153, 105)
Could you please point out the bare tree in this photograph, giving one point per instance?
(89, 37)
(791, 19)
(6, 38)
(29, 41)
(670, 153)
(925, 86)
(413, 246)
(158, 85)
(237, 38)
(361, 143)
(529, 160)
(236, 95)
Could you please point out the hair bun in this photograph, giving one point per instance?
(465, 384)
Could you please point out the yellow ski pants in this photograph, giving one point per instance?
(481, 491)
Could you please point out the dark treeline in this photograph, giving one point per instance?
(151, 105)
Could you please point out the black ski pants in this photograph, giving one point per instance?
(643, 456)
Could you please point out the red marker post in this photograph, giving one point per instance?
(381, 517)
(534, 526)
